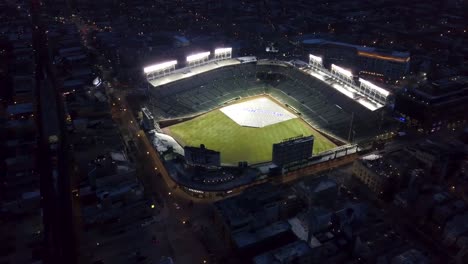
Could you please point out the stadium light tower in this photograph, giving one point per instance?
(198, 59)
(342, 74)
(373, 92)
(157, 70)
(223, 53)
(315, 61)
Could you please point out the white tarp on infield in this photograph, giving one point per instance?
(259, 112)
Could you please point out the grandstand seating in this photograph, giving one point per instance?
(321, 106)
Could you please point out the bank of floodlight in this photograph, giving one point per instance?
(315, 59)
(341, 71)
(198, 56)
(223, 51)
(159, 67)
(374, 87)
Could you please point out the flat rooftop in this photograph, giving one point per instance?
(285, 254)
(398, 54)
(246, 238)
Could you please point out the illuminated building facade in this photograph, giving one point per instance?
(367, 61)
(437, 106)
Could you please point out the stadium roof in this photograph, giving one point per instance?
(346, 90)
(359, 48)
(183, 73)
(247, 59)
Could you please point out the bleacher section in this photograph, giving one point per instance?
(323, 107)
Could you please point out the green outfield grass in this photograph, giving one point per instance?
(237, 143)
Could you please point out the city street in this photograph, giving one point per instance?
(182, 217)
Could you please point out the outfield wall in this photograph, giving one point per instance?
(329, 160)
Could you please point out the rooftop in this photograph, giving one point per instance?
(244, 239)
(241, 209)
(411, 256)
(285, 254)
(380, 166)
(403, 55)
(18, 109)
(317, 184)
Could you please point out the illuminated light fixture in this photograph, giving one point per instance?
(222, 51)
(195, 191)
(374, 87)
(159, 66)
(314, 58)
(198, 56)
(97, 81)
(342, 71)
(383, 57)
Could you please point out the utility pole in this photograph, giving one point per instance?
(381, 119)
(351, 126)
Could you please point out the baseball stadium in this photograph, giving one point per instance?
(241, 106)
(246, 131)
